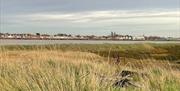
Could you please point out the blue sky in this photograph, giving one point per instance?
(99, 17)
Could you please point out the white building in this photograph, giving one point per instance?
(138, 38)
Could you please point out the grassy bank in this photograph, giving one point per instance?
(136, 51)
(82, 68)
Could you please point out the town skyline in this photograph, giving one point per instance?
(62, 36)
(94, 33)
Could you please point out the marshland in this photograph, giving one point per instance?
(89, 67)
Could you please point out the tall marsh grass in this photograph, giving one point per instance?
(58, 70)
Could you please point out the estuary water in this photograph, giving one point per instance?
(46, 42)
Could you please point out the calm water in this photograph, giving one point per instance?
(42, 42)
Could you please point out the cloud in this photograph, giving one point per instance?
(26, 6)
(98, 16)
(133, 21)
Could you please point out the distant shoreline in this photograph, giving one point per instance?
(50, 42)
(82, 39)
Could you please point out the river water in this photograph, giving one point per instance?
(45, 42)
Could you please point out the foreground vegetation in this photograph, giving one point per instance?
(84, 68)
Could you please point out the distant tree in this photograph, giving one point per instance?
(38, 34)
(91, 37)
(78, 35)
(60, 34)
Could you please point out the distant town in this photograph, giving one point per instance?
(61, 36)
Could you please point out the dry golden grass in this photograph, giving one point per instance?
(51, 70)
(47, 55)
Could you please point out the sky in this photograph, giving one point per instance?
(91, 17)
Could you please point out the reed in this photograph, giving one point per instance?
(43, 69)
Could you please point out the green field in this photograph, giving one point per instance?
(85, 67)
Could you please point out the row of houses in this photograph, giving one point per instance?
(22, 36)
(62, 36)
(31, 36)
(112, 36)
